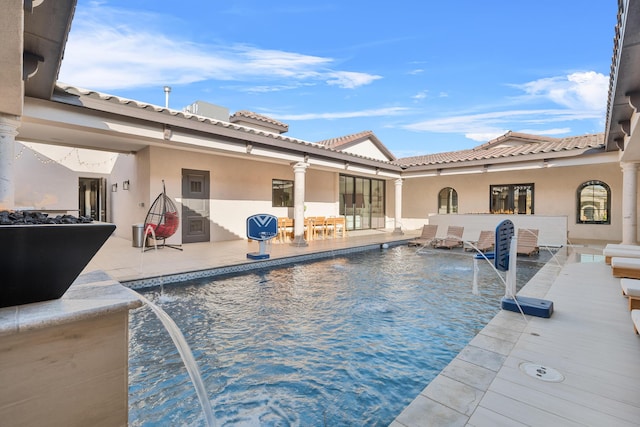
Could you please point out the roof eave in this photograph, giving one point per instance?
(507, 159)
(198, 124)
(623, 79)
(46, 30)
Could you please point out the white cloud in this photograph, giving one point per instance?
(581, 95)
(581, 90)
(552, 132)
(485, 136)
(486, 126)
(105, 52)
(392, 111)
(350, 79)
(420, 95)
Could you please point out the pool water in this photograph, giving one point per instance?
(340, 342)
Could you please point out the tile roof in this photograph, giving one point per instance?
(336, 143)
(343, 142)
(239, 115)
(69, 94)
(623, 75)
(509, 145)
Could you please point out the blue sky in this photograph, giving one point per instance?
(425, 76)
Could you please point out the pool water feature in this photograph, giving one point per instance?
(343, 341)
(187, 358)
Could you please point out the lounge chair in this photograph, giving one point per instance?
(631, 289)
(625, 267)
(635, 318)
(453, 238)
(619, 250)
(528, 241)
(485, 242)
(427, 237)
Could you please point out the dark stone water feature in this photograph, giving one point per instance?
(43, 255)
(33, 217)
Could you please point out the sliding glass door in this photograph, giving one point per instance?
(362, 202)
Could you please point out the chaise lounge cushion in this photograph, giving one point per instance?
(626, 267)
(621, 246)
(626, 251)
(630, 287)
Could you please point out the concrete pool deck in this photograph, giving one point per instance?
(588, 341)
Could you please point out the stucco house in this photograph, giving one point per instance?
(64, 148)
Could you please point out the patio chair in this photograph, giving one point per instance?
(427, 237)
(285, 229)
(319, 226)
(528, 241)
(625, 267)
(339, 224)
(453, 239)
(485, 242)
(162, 221)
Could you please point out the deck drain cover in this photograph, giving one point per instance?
(540, 372)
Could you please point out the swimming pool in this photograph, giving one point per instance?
(342, 341)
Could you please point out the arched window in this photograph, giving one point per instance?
(594, 203)
(447, 201)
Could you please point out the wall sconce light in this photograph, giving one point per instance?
(166, 132)
(125, 185)
(114, 188)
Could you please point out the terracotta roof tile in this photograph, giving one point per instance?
(495, 149)
(238, 115)
(343, 142)
(66, 90)
(336, 143)
(509, 145)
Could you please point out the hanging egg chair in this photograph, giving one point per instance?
(162, 221)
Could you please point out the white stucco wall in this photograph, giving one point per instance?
(46, 177)
(555, 195)
(239, 188)
(127, 207)
(366, 149)
(242, 187)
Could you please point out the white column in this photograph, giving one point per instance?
(629, 203)
(8, 132)
(398, 211)
(299, 172)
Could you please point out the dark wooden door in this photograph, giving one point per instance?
(195, 206)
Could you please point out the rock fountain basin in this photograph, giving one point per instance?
(40, 261)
